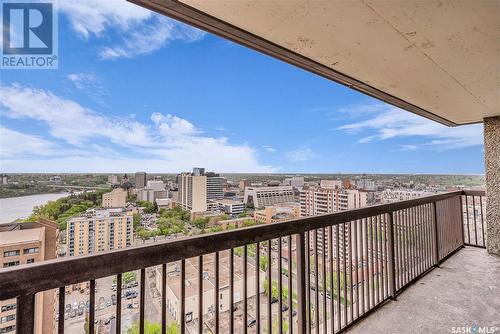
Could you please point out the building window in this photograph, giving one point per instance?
(9, 307)
(30, 261)
(30, 250)
(7, 329)
(7, 318)
(11, 253)
(10, 264)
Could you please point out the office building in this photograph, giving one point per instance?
(215, 185)
(22, 243)
(140, 180)
(156, 185)
(277, 213)
(259, 197)
(319, 201)
(99, 230)
(112, 179)
(330, 184)
(294, 181)
(245, 183)
(230, 207)
(192, 193)
(117, 198)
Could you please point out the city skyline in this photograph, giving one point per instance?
(116, 105)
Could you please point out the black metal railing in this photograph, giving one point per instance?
(474, 212)
(309, 275)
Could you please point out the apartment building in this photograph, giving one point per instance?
(140, 180)
(294, 181)
(319, 201)
(229, 206)
(215, 186)
(22, 243)
(99, 230)
(397, 195)
(192, 194)
(277, 213)
(117, 198)
(199, 191)
(259, 197)
(244, 183)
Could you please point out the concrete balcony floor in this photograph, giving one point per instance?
(463, 292)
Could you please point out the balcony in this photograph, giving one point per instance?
(354, 270)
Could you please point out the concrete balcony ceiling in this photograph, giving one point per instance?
(439, 59)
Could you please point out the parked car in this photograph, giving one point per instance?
(251, 322)
(284, 308)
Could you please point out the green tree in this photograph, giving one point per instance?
(149, 328)
(136, 220)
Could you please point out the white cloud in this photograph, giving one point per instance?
(85, 81)
(269, 148)
(168, 143)
(14, 143)
(300, 154)
(140, 30)
(391, 122)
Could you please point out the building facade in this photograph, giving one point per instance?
(99, 230)
(117, 198)
(140, 180)
(319, 201)
(259, 197)
(192, 194)
(23, 243)
(278, 213)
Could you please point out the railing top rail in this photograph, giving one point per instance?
(474, 192)
(45, 275)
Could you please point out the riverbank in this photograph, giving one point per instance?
(13, 208)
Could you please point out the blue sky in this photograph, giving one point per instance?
(137, 91)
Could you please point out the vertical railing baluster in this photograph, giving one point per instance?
(391, 255)
(467, 216)
(301, 282)
(200, 294)
(118, 303)
(245, 290)
(280, 289)
(462, 219)
(344, 267)
(216, 294)
(351, 253)
(337, 260)
(231, 290)
(257, 286)
(142, 301)
(332, 291)
(475, 221)
(356, 266)
(290, 286)
(316, 281)
(363, 259)
(325, 244)
(92, 307)
(269, 286)
(436, 235)
(60, 323)
(25, 314)
(483, 243)
(182, 312)
(164, 298)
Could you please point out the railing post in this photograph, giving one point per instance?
(25, 316)
(436, 234)
(301, 282)
(462, 226)
(392, 257)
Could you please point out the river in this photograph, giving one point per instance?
(12, 208)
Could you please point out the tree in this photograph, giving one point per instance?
(149, 328)
(127, 277)
(136, 220)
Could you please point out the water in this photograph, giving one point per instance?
(12, 208)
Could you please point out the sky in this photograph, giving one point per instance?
(138, 91)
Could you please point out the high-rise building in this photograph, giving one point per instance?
(245, 183)
(294, 181)
(116, 198)
(22, 243)
(99, 230)
(215, 185)
(112, 179)
(319, 201)
(140, 180)
(192, 193)
(259, 197)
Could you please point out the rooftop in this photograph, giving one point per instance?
(20, 236)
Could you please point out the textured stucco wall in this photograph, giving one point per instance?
(492, 160)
